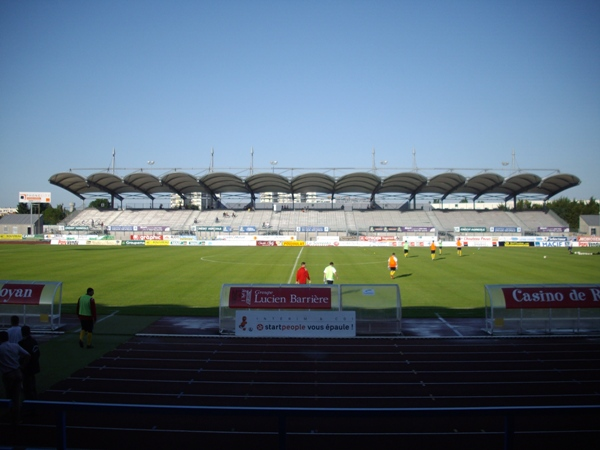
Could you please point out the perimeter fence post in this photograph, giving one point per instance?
(282, 431)
(509, 431)
(61, 430)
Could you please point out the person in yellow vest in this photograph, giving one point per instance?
(86, 311)
(392, 265)
(432, 248)
(458, 247)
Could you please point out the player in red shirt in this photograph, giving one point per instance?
(302, 276)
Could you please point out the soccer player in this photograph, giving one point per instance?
(432, 248)
(405, 249)
(329, 273)
(86, 311)
(302, 275)
(458, 247)
(392, 265)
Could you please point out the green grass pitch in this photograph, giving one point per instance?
(135, 284)
(187, 281)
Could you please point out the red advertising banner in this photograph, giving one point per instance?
(377, 238)
(145, 237)
(21, 294)
(266, 243)
(280, 297)
(552, 297)
(588, 238)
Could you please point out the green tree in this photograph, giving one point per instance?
(570, 210)
(526, 205)
(591, 207)
(100, 203)
(52, 216)
(566, 209)
(23, 208)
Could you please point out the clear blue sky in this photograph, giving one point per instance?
(311, 84)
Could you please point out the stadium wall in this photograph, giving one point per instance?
(315, 228)
(292, 241)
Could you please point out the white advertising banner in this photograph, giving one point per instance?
(35, 197)
(479, 241)
(328, 238)
(335, 324)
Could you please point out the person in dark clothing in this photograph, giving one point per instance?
(11, 358)
(32, 367)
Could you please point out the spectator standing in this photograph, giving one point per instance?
(14, 332)
(86, 311)
(302, 275)
(11, 358)
(330, 273)
(32, 367)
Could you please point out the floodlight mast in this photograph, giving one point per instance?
(415, 167)
(373, 167)
(112, 197)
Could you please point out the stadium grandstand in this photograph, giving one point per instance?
(315, 222)
(220, 190)
(313, 203)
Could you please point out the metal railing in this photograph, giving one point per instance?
(508, 413)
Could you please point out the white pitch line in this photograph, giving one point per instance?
(448, 325)
(98, 321)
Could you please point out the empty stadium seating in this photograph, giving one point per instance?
(337, 221)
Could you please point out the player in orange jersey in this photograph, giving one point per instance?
(392, 265)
